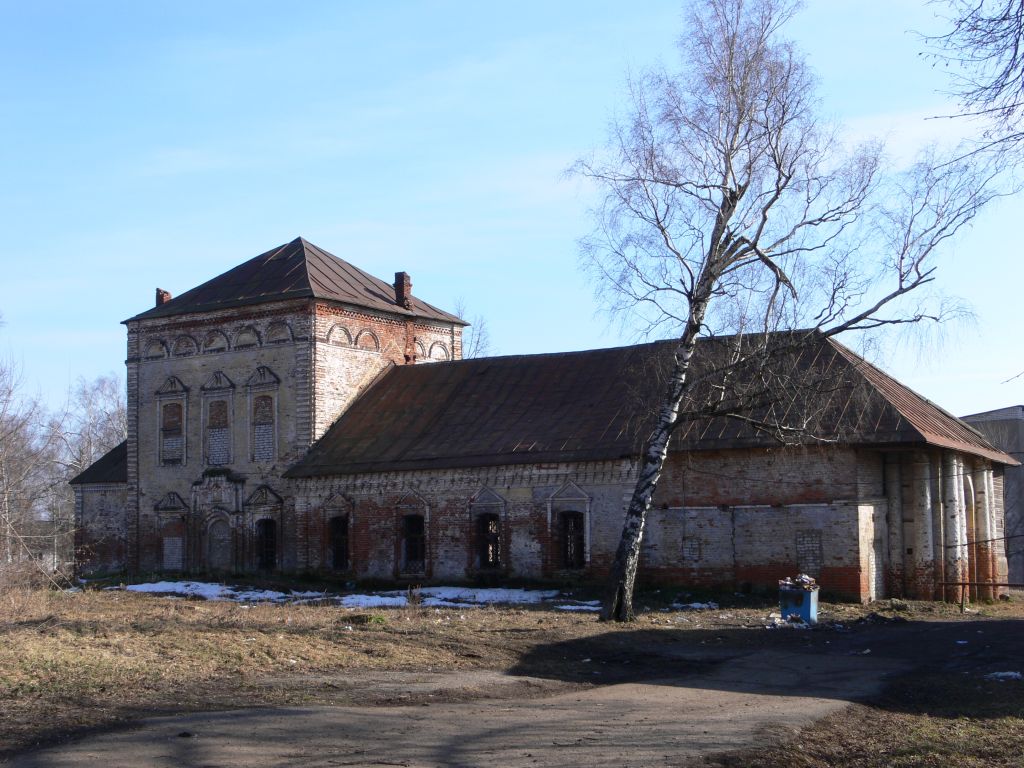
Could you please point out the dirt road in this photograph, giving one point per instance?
(670, 706)
(654, 722)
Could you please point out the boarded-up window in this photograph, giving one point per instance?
(572, 540)
(414, 544)
(218, 435)
(263, 428)
(172, 436)
(489, 540)
(173, 553)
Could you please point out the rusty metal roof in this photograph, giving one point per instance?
(111, 467)
(295, 270)
(936, 425)
(600, 404)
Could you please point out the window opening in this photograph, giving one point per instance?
(218, 436)
(572, 542)
(263, 428)
(489, 538)
(172, 434)
(413, 544)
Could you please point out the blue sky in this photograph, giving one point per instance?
(158, 144)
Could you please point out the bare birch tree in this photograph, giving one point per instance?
(730, 206)
(984, 49)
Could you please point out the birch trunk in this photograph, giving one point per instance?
(618, 605)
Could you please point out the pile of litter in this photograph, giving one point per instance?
(800, 581)
(793, 621)
(430, 597)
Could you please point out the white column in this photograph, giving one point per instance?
(955, 528)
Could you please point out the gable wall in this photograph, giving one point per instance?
(351, 347)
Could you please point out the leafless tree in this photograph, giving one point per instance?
(730, 207)
(476, 338)
(39, 453)
(94, 421)
(26, 451)
(985, 50)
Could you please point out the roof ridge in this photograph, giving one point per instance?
(274, 275)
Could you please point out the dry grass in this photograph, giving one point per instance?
(73, 661)
(70, 662)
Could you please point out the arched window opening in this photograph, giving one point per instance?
(263, 428)
(172, 436)
(368, 341)
(572, 540)
(338, 534)
(218, 434)
(414, 544)
(489, 540)
(266, 545)
(439, 352)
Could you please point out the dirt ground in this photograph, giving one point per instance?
(274, 685)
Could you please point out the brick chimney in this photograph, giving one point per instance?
(403, 289)
(162, 296)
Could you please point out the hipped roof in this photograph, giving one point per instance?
(601, 404)
(295, 270)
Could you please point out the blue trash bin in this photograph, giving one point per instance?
(802, 602)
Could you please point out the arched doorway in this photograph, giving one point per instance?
(218, 545)
(338, 534)
(266, 545)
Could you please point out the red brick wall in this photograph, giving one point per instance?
(761, 476)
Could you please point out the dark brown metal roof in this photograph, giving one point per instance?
(936, 425)
(600, 404)
(295, 270)
(111, 467)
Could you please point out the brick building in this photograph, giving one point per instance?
(1004, 427)
(281, 418)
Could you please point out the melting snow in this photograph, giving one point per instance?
(591, 605)
(1004, 676)
(432, 597)
(709, 606)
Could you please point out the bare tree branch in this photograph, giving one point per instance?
(730, 207)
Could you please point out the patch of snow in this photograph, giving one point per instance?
(432, 597)
(578, 607)
(708, 606)
(373, 601)
(487, 595)
(437, 602)
(1004, 676)
(187, 588)
(256, 596)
